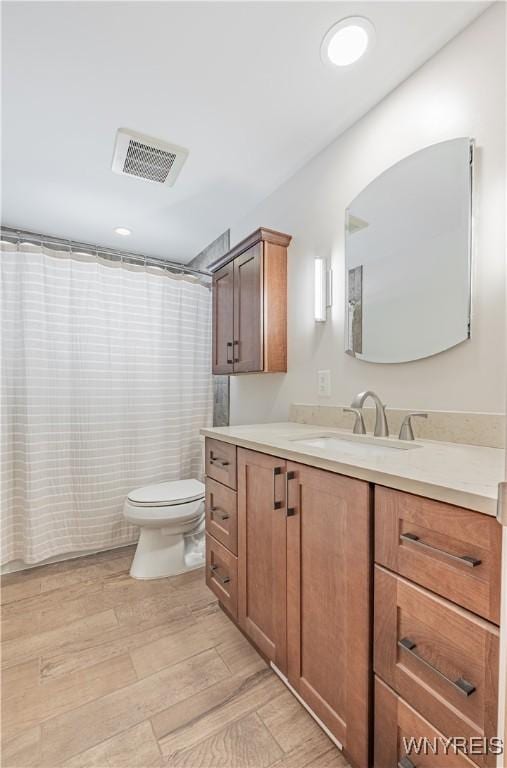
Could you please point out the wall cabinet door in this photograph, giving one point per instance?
(223, 325)
(262, 553)
(328, 601)
(248, 315)
(250, 306)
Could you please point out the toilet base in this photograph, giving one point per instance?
(159, 555)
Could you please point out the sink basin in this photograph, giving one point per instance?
(355, 445)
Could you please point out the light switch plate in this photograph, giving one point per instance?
(324, 383)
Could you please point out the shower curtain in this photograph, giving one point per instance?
(106, 380)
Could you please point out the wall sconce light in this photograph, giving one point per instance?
(323, 290)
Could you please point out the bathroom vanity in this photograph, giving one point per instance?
(368, 575)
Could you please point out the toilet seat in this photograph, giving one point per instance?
(161, 516)
(167, 494)
(178, 501)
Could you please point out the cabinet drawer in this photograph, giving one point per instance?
(222, 514)
(222, 574)
(452, 551)
(441, 659)
(396, 723)
(221, 462)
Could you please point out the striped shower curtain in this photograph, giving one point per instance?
(105, 383)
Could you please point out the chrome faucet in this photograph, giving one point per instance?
(381, 427)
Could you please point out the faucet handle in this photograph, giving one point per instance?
(406, 431)
(359, 428)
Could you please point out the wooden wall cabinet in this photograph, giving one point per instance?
(250, 306)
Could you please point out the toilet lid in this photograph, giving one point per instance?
(167, 494)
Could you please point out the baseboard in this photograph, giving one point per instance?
(19, 565)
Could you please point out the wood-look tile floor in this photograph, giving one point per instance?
(101, 670)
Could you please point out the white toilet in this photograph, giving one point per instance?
(171, 518)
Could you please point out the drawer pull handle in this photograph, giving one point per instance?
(461, 685)
(220, 462)
(406, 763)
(224, 516)
(216, 575)
(471, 562)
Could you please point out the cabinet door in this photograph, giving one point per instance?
(248, 315)
(223, 320)
(262, 553)
(328, 601)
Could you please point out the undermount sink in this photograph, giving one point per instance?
(355, 444)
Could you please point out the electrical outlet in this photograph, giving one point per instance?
(324, 383)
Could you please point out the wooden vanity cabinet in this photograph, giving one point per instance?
(303, 582)
(328, 601)
(262, 553)
(436, 642)
(302, 588)
(250, 306)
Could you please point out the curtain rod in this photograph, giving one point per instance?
(74, 245)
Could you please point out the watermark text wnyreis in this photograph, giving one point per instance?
(440, 745)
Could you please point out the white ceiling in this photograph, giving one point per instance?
(240, 84)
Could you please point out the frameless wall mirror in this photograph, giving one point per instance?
(408, 257)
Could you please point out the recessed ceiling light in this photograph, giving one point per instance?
(122, 231)
(347, 41)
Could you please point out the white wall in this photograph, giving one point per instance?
(459, 92)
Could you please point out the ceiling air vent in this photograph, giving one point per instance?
(147, 158)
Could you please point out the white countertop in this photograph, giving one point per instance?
(465, 475)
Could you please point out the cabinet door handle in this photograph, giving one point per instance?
(461, 685)
(216, 575)
(236, 344)
(467, 560)
(406, 763)
(291, 511)
(229, 360)
(276, 471)
(224, 516)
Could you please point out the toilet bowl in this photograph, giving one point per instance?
(171, 518)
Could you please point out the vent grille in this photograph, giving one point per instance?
(147, 158)
(148, 162)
